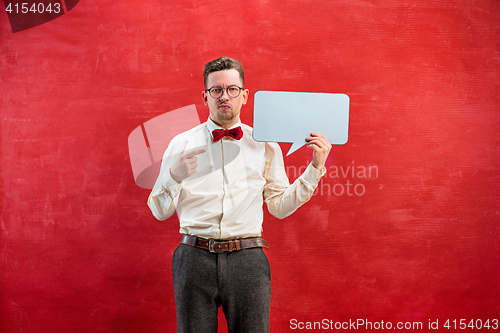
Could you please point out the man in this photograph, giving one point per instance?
(216, 176)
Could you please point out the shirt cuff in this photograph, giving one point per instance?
(312, 175)
(172, 187)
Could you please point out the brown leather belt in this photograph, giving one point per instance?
(220, 246)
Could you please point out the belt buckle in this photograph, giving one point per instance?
(211, 246)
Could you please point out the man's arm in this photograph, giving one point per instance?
(165, 194)
(283, 199)
(164, 197)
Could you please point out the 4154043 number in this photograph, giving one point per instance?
(477, 324)
(35, 8)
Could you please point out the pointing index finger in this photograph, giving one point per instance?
(195, 152)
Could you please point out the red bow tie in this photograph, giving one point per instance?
(235, 133)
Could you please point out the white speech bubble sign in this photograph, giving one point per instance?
(283, 116)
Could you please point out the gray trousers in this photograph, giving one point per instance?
(239, 281)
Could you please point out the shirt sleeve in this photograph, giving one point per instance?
(283, 199)
(164, 197)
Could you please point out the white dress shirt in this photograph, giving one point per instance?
(224, 198)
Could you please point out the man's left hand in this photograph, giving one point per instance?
(321, 148)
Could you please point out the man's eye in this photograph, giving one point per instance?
(216, 90)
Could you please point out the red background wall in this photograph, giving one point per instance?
(80, 251)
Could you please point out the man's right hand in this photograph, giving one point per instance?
(185, 165)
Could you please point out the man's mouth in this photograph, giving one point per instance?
(224, 106)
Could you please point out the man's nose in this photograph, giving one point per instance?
(225, 95)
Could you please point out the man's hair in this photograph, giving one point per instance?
(221, 64)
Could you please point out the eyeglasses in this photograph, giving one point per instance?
(217, 92)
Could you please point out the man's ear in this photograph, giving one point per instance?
(246, 92)
(204, 95)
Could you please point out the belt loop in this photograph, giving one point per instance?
(241, 244)
(188, 239)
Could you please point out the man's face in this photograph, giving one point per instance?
(225, 110)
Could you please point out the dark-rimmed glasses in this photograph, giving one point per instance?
(232, 91)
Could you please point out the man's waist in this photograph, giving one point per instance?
(221, 245)
(222, 230)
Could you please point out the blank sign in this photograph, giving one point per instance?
(281, 116)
